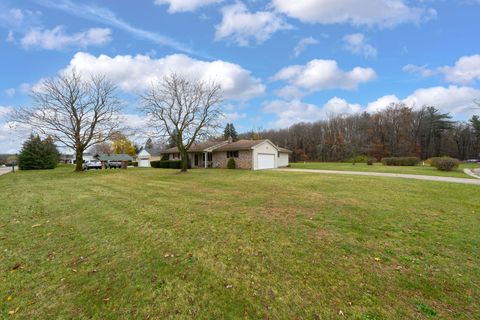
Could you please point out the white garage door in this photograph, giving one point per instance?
(265, 161)
(144, 163)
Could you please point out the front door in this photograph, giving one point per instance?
(196, 160)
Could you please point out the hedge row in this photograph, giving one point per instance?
(445, 163)
(400, 161)
(166, 164)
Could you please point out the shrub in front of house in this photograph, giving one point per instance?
(445, 163)
(231, 164)
(135, 163)
(400, 161)
(166, 164)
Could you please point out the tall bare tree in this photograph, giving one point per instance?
(183, 110)
(77, 111)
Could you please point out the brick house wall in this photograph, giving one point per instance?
(244, 160)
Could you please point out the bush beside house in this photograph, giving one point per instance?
(231, 164)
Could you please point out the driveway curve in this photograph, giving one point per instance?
(388, 175)
(4, 170)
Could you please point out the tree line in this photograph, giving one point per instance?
(398, 130)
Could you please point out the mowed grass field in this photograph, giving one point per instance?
(232, 244)
(379, 167)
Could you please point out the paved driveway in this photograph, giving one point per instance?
(4, 170)
(389, 175)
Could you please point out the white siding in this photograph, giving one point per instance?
(264, 148)
(283, 159)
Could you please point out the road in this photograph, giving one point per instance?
(389, 175)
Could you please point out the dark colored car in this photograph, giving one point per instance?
(114, 164)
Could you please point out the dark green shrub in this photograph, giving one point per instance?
(135, 163)
(357, 159)
(166, 164)
(231, 164)
(370, 161)
(155, 164)
(38, 154)
(164, 157)
(400, 161)
(445, 163)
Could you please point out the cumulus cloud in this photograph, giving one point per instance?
(303, 44)
(382, 13)
(57, 39)
(185, 5)
(240, 25)
(382, 103)
(453, 99)
(294, 111)
(466, 70)
(357, 44)
(136, 73)
(319, 75)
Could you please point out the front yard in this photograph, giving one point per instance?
(225, 244)
(379, 167)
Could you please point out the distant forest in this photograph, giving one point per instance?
(395, 131)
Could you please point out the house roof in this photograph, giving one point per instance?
(283, 150)
(196, 147)
(114, 157)
(240, 145)
(225, 146)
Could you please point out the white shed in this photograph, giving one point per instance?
(143, 158)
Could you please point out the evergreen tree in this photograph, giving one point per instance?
(38, 154)
(230, 131)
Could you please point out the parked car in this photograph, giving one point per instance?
(114, 164)
(93, 164)
(473, 161)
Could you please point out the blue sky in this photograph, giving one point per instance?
(278, 61)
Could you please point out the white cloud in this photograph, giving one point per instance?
(239, 25)
(466, 70)
(453, 99)
(290, 112)
(10, 92)
(319, 75)
(185, 5)
(382, 13)
(357, 44)
(303, 44)
(57, 39)
(136, 73)
(381, 103)
(423, 71)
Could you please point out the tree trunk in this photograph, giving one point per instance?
(184, 164)
(79, 160)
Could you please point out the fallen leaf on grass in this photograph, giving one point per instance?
(9, 298)
(36, 225)
(12, 312)
(228, 286)
(377, 259)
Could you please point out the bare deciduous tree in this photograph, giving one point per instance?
(76, 111)
(183, 110)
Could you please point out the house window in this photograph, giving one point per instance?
(232, 154)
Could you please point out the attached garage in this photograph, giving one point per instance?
(264, 155)
(265, 161)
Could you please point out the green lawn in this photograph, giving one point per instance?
(230, 244)
(378, 167)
